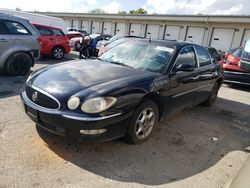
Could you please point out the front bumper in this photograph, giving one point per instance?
(70, 125)
(233, 77)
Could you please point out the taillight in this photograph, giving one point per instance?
(39, 39)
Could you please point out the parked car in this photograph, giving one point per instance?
(125, 92)
(19, 45)
(245, 58)
(83, 32)
(230, 52)
(74, 34)
(75, 43)
(233, 73)
(107, 46)
(215, 54)
(104, 43)
(54, 42)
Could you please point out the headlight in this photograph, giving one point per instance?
(73, 103)
(98, 104)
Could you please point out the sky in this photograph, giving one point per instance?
(225, 7)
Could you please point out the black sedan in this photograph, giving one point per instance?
(124, 93)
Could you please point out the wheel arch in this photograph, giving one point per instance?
(158, 100)
(26, 52)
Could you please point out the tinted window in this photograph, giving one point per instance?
(44, 31)
(237, 53)
(3, 29)
(16, 28)
(58, 32)
(203, 56)
(186, 56)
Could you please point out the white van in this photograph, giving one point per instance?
(39, 19)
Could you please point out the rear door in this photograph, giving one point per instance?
(6, 42)
(48, 39)
(206, 74)
(61, 39)
(183, 85)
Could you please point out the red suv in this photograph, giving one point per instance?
(53, 41)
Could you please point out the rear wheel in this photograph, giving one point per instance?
(58, 52)
(142, 122)
(18, 64)
(213, 95)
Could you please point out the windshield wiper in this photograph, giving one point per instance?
(122, 64)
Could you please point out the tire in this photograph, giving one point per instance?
(77, 46)
(139, 128)
(18, 64)
(213, 95)
(58, 52)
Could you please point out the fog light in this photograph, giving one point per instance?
(92, 132)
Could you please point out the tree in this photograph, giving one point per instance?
(18, 9)
(122, 12)
(138, 11)
(98, 11)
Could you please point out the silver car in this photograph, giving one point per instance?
(19, 45)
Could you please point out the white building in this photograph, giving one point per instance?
(221, 32)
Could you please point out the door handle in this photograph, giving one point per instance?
(4, 40)
(51, 39)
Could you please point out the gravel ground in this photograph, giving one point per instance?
(199, 147)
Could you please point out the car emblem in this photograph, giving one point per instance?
(34, 96)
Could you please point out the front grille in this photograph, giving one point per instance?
(41, 98)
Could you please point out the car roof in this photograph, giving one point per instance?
(5, 16)
(168, 43)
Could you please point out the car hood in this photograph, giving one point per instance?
(94, 77)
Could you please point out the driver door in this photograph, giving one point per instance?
(183, 84)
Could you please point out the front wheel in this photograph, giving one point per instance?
(58, 52)
(142, 123)
(213, 95)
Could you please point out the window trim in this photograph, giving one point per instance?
(40, 27)
(196, 62)
(21, 34)
(197, 58)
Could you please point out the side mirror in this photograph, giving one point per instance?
(184, 67)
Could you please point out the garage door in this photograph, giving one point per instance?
(153, 31)
(172, 32)
(246, 37)
(195, 34)
(135, 29)
(68, 23)
(107, 28)
(222, 39)
(120, 29)
(85, 25)
(76, 24)
(95, 27)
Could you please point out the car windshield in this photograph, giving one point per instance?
(237, 53)
(139, 55)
